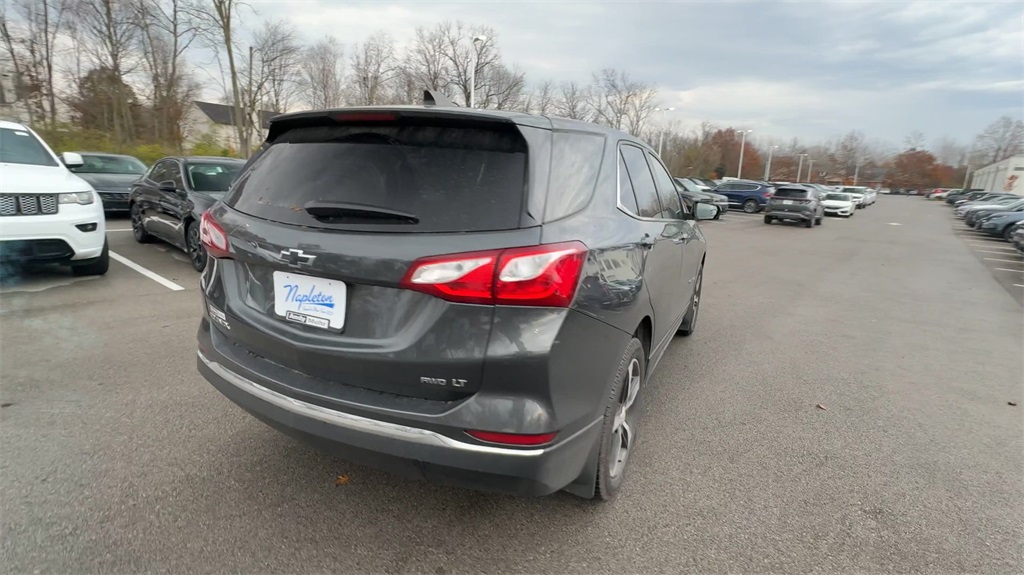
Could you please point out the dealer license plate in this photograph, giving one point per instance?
(787, 202)
(310, 301)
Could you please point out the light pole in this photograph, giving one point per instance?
(472, 70)
(768, 166)
(661, 128)
(810, 171)
(800, 168)
(743, 144)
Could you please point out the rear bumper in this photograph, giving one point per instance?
(403, 447)
(783, 215)
(839, 211)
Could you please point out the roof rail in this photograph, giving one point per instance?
(434, 98)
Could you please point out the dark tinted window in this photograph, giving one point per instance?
(448, 178)
(21, 147)
(792, 193)
(671, 208)
(102, 164)
(643, 183)
(575, 163)
(626, 197)
(161, 172)
(212, 176)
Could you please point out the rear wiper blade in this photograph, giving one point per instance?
(350, 211)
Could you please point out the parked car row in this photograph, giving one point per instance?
(996, 214)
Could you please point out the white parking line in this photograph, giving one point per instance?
(1008, 261)
(1009, 270)
(1018, 285)
(151, 275)
(119, 229)
(994, 252)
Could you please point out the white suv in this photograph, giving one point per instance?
(47, 214)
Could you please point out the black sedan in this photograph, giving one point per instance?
(168, 203)
(111, 175)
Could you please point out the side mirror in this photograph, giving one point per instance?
(168, 186)
(72, 160)
(705, 211)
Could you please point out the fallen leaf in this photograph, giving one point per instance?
(341, 480)
(1013, 403)
(821, 407)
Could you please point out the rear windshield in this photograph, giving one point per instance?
(838, 197)
(212, 177)
(791, 193)
(439, 178)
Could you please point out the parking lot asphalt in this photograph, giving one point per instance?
(842, 407)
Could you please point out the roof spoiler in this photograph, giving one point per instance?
(434, 98)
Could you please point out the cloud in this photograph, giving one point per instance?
(806, 69)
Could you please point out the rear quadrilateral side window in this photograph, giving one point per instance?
(575, 164)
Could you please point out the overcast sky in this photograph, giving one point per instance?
(813, 70)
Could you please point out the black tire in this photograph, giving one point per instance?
(1008, 233)
(751, 207)
(689, 324)
(767, 219)
(96, 266)
(819, 219)
(610, 472)
(194, 247)
(138, 229)
(809, 223)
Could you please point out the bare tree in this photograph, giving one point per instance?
(1000, 140)
(572, 102)
(466, 57)
(29, 35)
(542, 100)
(639, 107)
(109, 34)
(502, 88)
(374, 68)
(914, 140)
(167, 28)
(323, 74)
(620, 102)
(268, 74)
(949, 152)
(222, 14)
(425, 63)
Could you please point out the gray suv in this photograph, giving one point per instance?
(474, 297)
(795, 203)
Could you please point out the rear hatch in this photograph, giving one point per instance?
(790, 200)
(327, 221)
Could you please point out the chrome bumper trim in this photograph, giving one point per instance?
(364, 424)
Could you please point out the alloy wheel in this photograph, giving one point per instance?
(623, 436)
(137, 227)
(196, 251)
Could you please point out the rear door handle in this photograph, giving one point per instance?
(647, 241)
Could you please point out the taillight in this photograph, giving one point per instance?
(213, 237)
(545, 275)
(512, 438)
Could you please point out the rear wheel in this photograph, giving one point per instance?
(94, 267)
(194, 247)
(138, 227)
(1008, 233)
(767, 219)
(618, 432)
(690, 319)
(751, 206)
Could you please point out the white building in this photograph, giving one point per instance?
(1004, 176)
